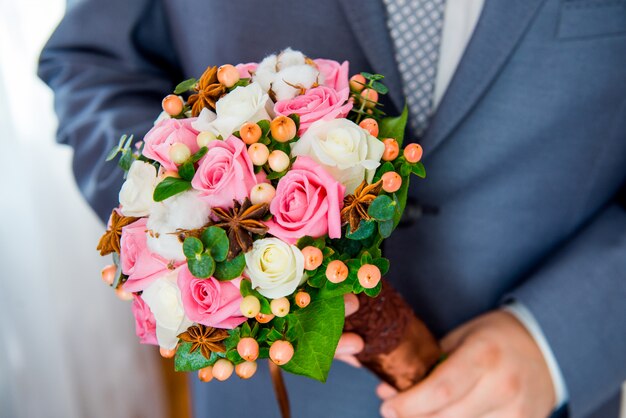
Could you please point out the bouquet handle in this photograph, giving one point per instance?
(399, 348)
(280, 390)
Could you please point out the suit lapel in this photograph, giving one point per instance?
(367, 20)
(498, 32)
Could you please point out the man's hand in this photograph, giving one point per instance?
(495, 370)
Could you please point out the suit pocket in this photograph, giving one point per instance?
(592, 18)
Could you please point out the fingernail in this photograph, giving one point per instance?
(352, 304)
(387, 411)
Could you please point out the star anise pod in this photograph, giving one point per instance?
(110, 241)
(209, 90)
(240, 223)
(207, 339)
(355, 205)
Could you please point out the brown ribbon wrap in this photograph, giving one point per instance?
(399, 348)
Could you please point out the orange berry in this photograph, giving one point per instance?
(246, 370)
(283, 128)
(250, 133)
(337, 271)
(369, 276)
(392, 149)
(303, 299)
(248, 348)
(370, 96)
(227, 75)
(357, 82)
(278, 160)
(166, 352)
(413, 153)
(108, 274)
(250, 306)
(223, 369)
(280, 307)
(281, 352)
(123, 294)
(391, 181)
(370, 125)
(172, 105)
(259, 153)
(264, 318)
(313, 257)
(206, 374)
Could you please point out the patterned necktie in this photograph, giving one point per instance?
(415, 27)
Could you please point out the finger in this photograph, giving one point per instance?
(477, 403)
(350, 360)
(450, 381)
(349, 344)
(352, 303)
(385, 391)
(454, 339)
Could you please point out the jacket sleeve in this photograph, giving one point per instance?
(579, 299)
(109, 63)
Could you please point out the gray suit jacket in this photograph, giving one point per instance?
(526, 157)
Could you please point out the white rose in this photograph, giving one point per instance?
(243, 104)
(136, 193)
(163, 298)
(344, 149)
(285, 73)
(204, 120)
(181, 211)
(274, 267)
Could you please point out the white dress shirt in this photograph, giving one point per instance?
(460, 19)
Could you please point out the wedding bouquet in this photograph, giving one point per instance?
(260, 198)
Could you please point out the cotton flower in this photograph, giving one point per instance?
(286, 73)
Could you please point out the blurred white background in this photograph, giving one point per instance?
(67, 344)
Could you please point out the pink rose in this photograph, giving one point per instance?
(335, 74)
(246, 70)
(225, 173)
(141, 266)
(166, 133)
(308, 201)
(209, 301)
(145, 324)
(317, 103)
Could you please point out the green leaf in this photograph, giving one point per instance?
(405, 169)
(231, 269)
(186, 85)
(385, 228)
(394, 127)
(189, 362)
(265, 127)
(318, 328)
(216, 242)
(310, 241)
(318, 279)
(374, 291)
(169, 187)
(234, 357)
(245, 288)
(187, 171)
(192, 247)
(126, 160)
(364, 231)
(116, 149)
(419, 170)
(202, 266)
(380, 87)
(384, 168)
(198, 155)
(401, 196)
(382, 264)
(373, 77)
(296, 118)
(382, 208)
(276, 174)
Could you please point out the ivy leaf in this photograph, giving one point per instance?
(189, 362)
(169, 187)
(192, 247)
(202, 266)
(186, 85)
(231, 269)
(394, 127)
(382, 208)
(318, 328)
(364, 231)
(216, 242)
